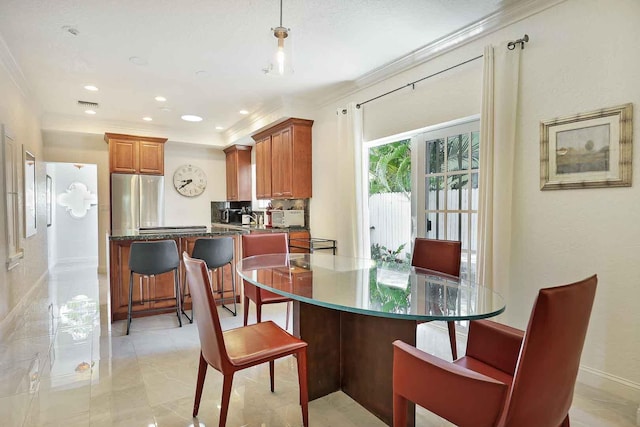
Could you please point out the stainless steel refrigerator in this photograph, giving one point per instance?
(136, 201)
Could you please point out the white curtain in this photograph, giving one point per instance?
(498, 126)
(353, 179)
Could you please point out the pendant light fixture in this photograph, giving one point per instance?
(282, 62)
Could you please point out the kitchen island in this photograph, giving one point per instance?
(161, 286)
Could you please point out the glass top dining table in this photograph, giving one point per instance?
(350, 310)
(372, 288)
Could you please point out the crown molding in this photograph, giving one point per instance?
(14, 70)
(15, 74)
(448, 43)
(268, 115)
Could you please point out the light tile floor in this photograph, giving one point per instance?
(63, 364)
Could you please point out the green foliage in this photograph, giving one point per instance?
(390, 168)
(388, 299)
(387, 256)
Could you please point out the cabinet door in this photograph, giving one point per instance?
(151, 158)
(225, 273)
(301, 246)
(123, 156)
(243, 172)
(232, 176)
(263, 168)
(119, 282)
(281, 164)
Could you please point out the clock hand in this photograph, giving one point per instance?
(188, 181)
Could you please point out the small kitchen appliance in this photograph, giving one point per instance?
(288, 218)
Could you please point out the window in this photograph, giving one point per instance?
(447, 188)
(10, 177)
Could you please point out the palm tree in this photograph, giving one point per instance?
(390, 168)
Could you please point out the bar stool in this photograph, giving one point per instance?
(216, 253)
(150, 259)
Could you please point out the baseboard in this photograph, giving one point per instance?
(77, 261)
(615, 385)
(7, 323)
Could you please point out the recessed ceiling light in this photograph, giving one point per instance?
(243, 112)
(160, 98)
(137, 60)
(219, 128)
(147, 119)
(90, 112)
(191, 118)
(165, 109)
(91, 88)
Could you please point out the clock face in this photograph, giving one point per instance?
(189, 180)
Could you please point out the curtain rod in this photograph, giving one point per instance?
(412, 84)
(510, 46)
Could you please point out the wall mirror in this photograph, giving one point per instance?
(29, 194)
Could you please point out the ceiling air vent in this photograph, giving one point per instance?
(87, 104)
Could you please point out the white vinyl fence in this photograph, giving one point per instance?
(390, 221)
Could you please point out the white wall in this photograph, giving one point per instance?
(73, 239)
(581, 57)
(85, 148)
(181, 210)
(22, 118)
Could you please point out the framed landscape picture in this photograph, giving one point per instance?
(587, 150)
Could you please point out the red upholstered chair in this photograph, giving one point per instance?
(507, 378)
(239, 348)
(262, 244)
(442, 256)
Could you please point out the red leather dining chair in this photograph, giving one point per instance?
(262, 244)
(507, 378)
(442, 256)
(239, 348)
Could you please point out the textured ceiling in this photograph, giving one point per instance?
(206, 57)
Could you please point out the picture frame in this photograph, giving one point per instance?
(587, 150)
(30, 195)
(49, 191)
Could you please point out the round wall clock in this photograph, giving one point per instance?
(189, 180)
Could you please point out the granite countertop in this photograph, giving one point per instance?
(168, 233)
(215, 229)
(250, 228)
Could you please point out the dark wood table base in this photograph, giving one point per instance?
(353, 353)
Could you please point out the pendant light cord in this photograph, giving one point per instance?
(281, 13)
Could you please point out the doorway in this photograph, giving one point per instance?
(72, 214)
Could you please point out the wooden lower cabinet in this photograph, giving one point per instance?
(187, 244)
(144, 288)
(300, 235)
(157, 287)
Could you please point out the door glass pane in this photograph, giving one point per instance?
(435, 193)
(434, 225)
(435, 156)
(475, 150)
(457, 196)
(458, 152)
(474, 192)
(454, 225)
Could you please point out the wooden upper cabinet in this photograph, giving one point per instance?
(123, 157)
(238, 162)
(151, 157)
(285, 167)
(263, 168)
(135, 154)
